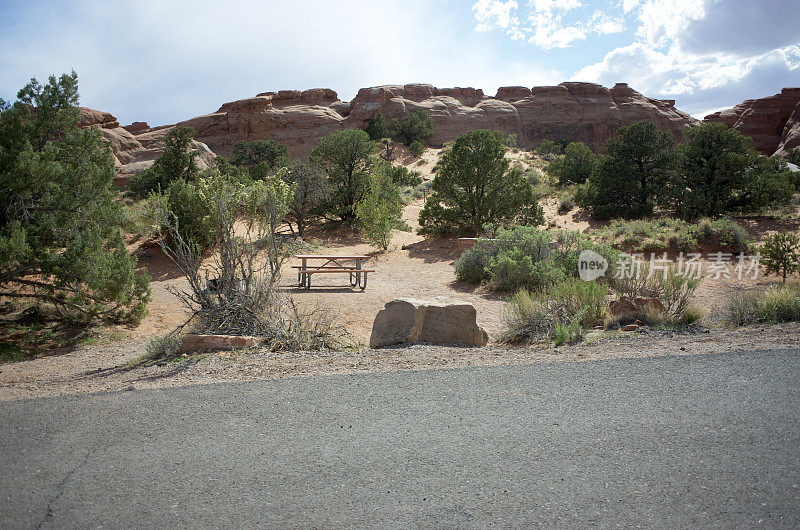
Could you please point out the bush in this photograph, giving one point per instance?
(652, 235)
(415, 126)
(190, 213)
(526, 257)
(548, 147)
(267, 153)
(575, 166)
(566, 205)
(674, 290)
(475, 186)
(176, 162)
(779, 303)
(559, 313)
(416, 148)
(379, 211)
(471, 265)
(377, 128)
(311, 190)
(781, 254)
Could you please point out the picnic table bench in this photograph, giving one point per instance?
(332, 264)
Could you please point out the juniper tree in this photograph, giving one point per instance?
(60, 239)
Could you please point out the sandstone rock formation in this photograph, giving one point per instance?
(437, 321)
(576, 111)
(133, 153)
(771, 122)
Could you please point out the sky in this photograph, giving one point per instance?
(163, 61)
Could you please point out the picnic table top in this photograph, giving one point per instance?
(327, 256)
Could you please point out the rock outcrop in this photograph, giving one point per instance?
(436, 321)
(133, 153)
(771, 122)
(584, 112)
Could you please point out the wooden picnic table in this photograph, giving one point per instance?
(332, 264)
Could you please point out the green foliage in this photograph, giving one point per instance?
(664, 233)
(269, 154)
(475, 186)
(400, 175)
(719, 174)
(311, 190)
(511, 141)
(778, 303)
(575, 166)
(559, 313)
(793, 156)
(526, 257)
(416, 148)
(671, 287)
(781, 254)
(630, 178)
(60, 239)
(345, 157)
(176, 162)
(548, 147)
(379, 211)
(378, 128)
(190, 212)
(415, 126)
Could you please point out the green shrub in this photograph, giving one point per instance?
(268, 152)
(778, 303)
(559, 313)
(416, 148)
(652, 235)
(471, 265)
(176, 162)
(526, 257)
(379, 211)
(415, 126)
(377, 128)
(674, 290)
(575, 166)
(781, 254)
(190, 212)
(568, 332)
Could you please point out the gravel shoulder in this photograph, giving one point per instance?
(101, 368)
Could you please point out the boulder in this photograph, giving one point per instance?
(437, 321)
(218, 342)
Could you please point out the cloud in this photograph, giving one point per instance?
(700, 52)
(492, 14)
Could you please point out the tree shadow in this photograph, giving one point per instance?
(477, 290)
(582, 216)
(433, 250)
(152, 259)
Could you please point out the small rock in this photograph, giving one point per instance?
(682, 348)
(639, 323)
(630, 327)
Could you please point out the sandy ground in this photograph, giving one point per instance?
(413, 266)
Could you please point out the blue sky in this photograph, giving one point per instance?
(162, 61)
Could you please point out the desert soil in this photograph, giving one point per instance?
(413, 266)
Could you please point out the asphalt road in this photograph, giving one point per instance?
(665, 442)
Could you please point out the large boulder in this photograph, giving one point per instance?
(437, 321)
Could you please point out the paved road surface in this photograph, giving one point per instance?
(667, 442)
